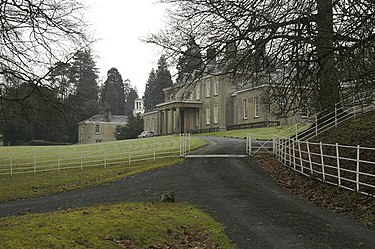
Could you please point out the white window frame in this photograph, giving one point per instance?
(256, 107)
(216, 88)
(208, 115)
(216, 113)
(98, 128)
(208, 88)
(197, 118)
(245, 108)
(198, 92)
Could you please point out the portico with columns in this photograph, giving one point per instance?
(178, 116)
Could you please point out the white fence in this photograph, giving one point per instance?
(344, 110)
(21, 160)
(349, 167)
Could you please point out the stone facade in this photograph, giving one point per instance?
(212, 104)
(100, 128)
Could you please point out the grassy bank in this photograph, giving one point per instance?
(259, 133)
(135, 225)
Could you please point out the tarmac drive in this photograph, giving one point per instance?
(256, 212)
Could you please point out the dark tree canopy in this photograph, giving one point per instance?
(309, 48)
(156, 82)
(131, 130)
(32, 119)
(113, 94)
(150, 85)
(190, 62)
(83, 75)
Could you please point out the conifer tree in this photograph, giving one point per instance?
(113, 93)
(83, 74)
(156, 82)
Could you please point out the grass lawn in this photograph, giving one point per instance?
(259, 133)
(121, 225)
(129, 225)
(43, 183)
(32, 159)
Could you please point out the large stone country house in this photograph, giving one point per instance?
(218, 103)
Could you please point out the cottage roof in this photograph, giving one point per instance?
(120, 119)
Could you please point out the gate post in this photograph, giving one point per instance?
(248, 144)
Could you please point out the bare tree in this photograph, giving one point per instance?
(306, 48)
(35, 35)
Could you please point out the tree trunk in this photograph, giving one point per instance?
(328, 83)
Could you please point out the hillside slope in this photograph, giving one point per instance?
(357, 131)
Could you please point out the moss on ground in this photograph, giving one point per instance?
(130, 225)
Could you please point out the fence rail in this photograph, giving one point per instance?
(349, 167)
(23, 160)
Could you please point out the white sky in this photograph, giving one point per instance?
(120, 24)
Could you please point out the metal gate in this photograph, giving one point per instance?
(255, 145)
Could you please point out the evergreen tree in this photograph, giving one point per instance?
(113, 92)
(150, 85)
(131, 130)
(156, 82)
(83, 74)
(59, 79)
(190, 63)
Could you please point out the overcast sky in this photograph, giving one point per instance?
(119, 25)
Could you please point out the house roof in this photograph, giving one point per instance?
(120, 119)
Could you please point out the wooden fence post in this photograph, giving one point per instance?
(357, 173)
(154, 148)
(81, 157)
(294, 153)
(105, 156)
(338, 164)
(59, 159)
(322, 161)
(335, 114)
(290, 152)
(309, 155)
(300, 156)
(34, 162)
(11, 165)
(180, 145)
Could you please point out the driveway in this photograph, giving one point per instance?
(256, 212)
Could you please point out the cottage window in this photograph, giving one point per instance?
(245, 108)
(208, 116)
(197, 118)
(97, 128)
(198, 92)
(256, 106)
(216, 114)
(208, 88)
(216, 88)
